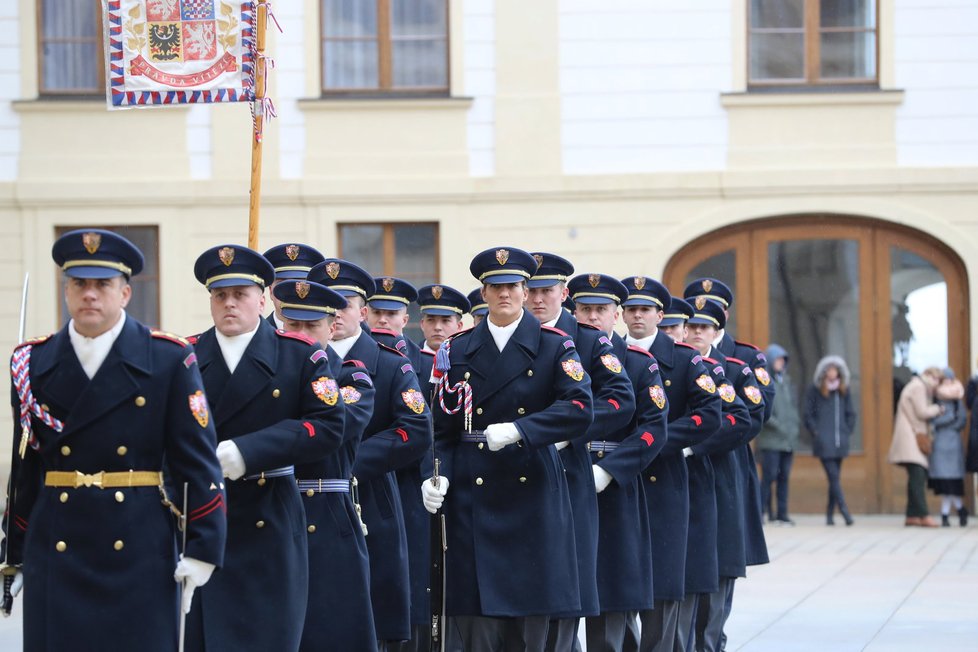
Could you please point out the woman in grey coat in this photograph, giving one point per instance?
(830, 418)
(946, 464)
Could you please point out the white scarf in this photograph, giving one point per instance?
(643, 343)
(92, 351)
(501, 334)
(233, 347)
(342, 347)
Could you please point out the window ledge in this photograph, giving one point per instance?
(384, 103)
(67, 105)
(809, 98)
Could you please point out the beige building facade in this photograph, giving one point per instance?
(618, 133)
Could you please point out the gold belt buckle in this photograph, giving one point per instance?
(88, 479)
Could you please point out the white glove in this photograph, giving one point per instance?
(232, 464)
(193, 573)
(561, 445)
(17, 585)
(601, 478)
(687, 451)
(501, 435)
(433, 496)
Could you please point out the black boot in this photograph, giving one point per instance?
(945, 522)
(963, 516)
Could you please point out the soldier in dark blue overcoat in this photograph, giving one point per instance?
(614, 405)
(292, 262)
(387, 309)
(514, 388)
(624, 556)
(694, 415)
(338, 613)
(275, 404)
(398, 435)
(105, 401)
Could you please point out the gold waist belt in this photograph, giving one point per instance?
(103, 479)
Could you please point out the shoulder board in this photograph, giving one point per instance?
(735, 360)
(170, 337)
(554, 330)
(428, 353)
(581, 324)
(384, 331)
(464, 331)
(34, 340)
(638, 349)
(354, 363)
(391, 349)
(688, 346)
(747, 344)
(710, 360)
(295, 336)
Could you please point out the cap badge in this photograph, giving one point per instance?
(333, 270)
(388, 284)
(292, 251)
(226, 254)
(707, 285)
(539, 259)
(700, 302)
(594, 280)
(91, 241)
(639, 282)
(436, 292)
(302, 289)
(502, 255)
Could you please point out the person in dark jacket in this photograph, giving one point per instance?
(946, 463)
(778, 438)
(830, 418)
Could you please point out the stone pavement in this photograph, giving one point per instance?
(876, 586)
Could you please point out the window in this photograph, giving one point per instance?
(145, 302)
(812, 43)
(408, 251)
(69, 38)
(385, 45)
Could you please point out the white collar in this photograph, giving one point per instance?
(342, 347)
(428, 348)
(552, 323)
(643, 343)
(719, 338)
(92, 351)
(279, 324)
(233, 347)
(501, 334)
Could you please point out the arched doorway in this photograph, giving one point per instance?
(891, 300)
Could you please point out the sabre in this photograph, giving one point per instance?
(9, 572)
(183, 550)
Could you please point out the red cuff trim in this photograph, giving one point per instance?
(577, 403)
(614, 403)
(201, 512)
(732, 419)
(648, 438)
(697, 419)
(402, 433)
(309, 428)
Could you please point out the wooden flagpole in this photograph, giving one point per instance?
(261, 18)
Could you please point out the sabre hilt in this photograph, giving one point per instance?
(8, 598)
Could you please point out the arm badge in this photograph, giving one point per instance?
(706, 384)
(753, 394)
(762, 376)
(326, 390)
(198, 407)
(612, 363)
(414, 400)
(727, 393)
(350, 394)
(573, 369)
(658, 396)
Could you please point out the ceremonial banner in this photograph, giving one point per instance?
(179, 52)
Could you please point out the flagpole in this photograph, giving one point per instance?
(261, 18)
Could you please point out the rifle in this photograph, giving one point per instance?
(9, 572)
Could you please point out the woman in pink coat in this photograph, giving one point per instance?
(914, 409)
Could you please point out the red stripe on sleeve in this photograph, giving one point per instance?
(309, 428)
(615, 403)
(697, 419)
(402, 433)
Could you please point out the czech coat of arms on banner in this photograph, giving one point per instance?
(179, 52)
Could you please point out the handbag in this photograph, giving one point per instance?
(925, 442)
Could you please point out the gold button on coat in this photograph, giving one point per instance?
(311, 528)
(522, 478)
(122, 450)
(64, 496)
(66, 450)
(520, 410)
(44, 407)
(668, 383)
(478, 410)
(119, 545)
(61, 546)
(529, 373)
(261, 482)
(276, 393)
(478, 481)
(260, 524)
(466, 375)
(481, 445)
(119, 497)
(651, 478)
(310, 492)
(600, 454)
(140, 401)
